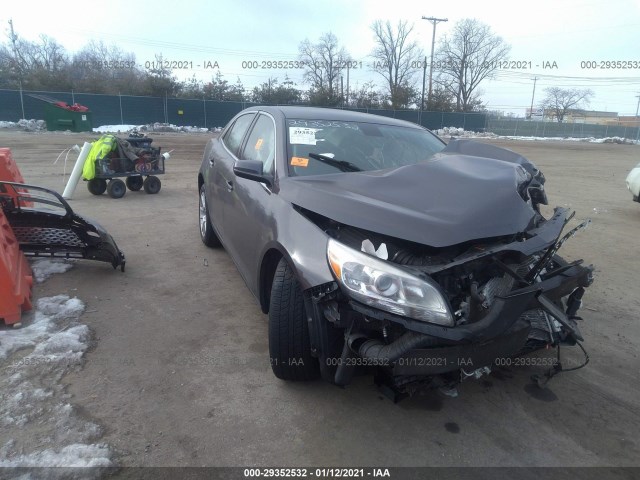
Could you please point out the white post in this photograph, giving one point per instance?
(74, 178)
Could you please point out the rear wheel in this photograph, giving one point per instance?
(207, 235)
(289, 343)
(116, 188)
(152, 184)
(97, 186)
(134, 183)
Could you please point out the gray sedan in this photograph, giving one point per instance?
(372, 244)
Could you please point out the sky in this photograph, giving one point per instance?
(237, 34)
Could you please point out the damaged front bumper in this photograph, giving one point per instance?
(46, 226)
(539, 309)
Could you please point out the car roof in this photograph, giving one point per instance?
(318, 113)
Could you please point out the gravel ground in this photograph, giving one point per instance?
(179, 372)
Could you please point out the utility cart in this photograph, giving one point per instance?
(134, 160)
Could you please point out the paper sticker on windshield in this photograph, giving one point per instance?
(302, 136)
(259, 144)
(299, 161)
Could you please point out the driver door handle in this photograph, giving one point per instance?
(229, 185)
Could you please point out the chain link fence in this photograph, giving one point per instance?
(136, 110)
(528, 128)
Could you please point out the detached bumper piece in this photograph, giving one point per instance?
(45, 226)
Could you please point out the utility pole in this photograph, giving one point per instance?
(638, 106)
(434, 21)
(535, 79)
(14, 37)
(424, 75)
(348, 83)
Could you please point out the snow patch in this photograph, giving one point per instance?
(152, 127)
(48, 312)
(26, 125)
(115, 128)
(451, 132)
(43, 268)
(76, 455)
(39, 424)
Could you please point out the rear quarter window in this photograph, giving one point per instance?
(233, 137)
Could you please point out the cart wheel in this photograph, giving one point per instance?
(97, 186)
(116, 188)
(152, 184)
(134, 183)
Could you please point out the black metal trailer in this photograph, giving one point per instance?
(139, 173)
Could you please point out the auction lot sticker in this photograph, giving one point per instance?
(302, 136)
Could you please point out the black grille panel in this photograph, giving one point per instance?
(47, 236)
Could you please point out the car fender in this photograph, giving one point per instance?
(304, 246)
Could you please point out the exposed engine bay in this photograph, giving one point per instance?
(508, 296)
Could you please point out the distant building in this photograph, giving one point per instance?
(577, 116)
(592, 117)
(628, 121)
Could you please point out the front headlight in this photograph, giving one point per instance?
(376, 283)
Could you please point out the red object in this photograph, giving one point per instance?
(9, 171)
(15, 276)
(15, 273)
(76, 107)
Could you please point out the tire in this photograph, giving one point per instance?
(207, 235)
(116, 188)
(289, 344)
(152, 184)
(134, 183)
(97, 186)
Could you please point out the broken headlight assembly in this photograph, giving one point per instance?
(378, 284)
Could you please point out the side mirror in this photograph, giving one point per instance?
(251, 170)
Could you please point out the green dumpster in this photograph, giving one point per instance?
(59, 118)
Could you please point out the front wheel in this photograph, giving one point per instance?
(289, 343)
(207, 235)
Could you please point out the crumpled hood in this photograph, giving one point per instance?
(449, 199)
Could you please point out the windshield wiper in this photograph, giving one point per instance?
(341, 165)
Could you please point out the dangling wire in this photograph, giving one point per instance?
(542, 380)
(66, 151)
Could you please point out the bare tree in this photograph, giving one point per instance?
(442, 100)
(8, 74)
(220, 89)
(395, 58)
(471, 54)
(324, 63)
(365, 96)
(560, 100)
(40, 64)
(275, 93)
(159, 79)
(100, 68)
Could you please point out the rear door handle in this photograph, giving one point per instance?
(229, 185)
(211, 161)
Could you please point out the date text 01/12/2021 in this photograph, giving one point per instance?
(180, 64)
(317, 472)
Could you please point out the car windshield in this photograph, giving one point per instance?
(322, 146)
